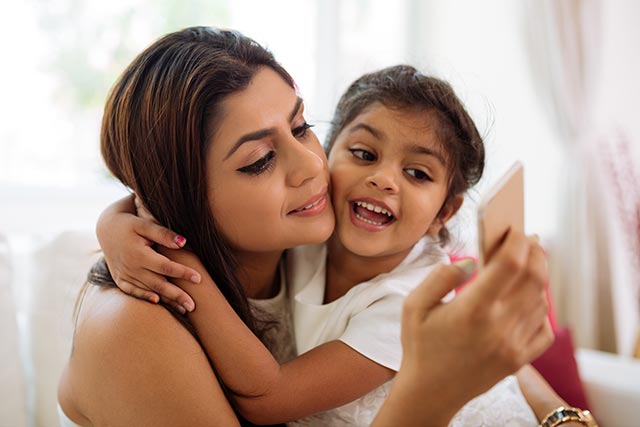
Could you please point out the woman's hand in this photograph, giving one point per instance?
(137, 269)
(454, 351)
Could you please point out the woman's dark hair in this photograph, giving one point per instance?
(404, 87)
(157, 128)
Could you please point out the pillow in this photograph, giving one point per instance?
(558, 366)
(13, 394)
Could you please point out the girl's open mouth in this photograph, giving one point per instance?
(370, 214)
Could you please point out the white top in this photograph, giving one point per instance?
(368, 318)
(64, 420)
(275, 315)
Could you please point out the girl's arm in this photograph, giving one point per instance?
(127, 240)
(264, 391)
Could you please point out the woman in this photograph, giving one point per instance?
(186, 128)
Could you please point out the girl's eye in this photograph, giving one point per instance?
(263, 164)
(363, 154)
(301, 131)
(418, 174)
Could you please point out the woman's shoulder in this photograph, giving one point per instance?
(107, 315)
(130, 354)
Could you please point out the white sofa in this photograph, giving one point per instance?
(48, 277)
(13, 402)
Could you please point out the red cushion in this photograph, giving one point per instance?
(558, 366)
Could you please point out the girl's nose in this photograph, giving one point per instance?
(384, 179)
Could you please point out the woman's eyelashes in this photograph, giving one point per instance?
(301, 131)
(264, 164)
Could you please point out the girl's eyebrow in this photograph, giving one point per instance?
(378, 134)
(262, 133)
(413, 148)
(421, 149)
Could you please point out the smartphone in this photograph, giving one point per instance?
(501, 209)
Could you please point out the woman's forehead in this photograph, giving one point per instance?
(266, 102)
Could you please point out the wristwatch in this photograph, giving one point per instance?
(562, 415)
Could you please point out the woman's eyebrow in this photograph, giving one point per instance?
(263, 133)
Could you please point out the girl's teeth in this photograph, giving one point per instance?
(368, 220)
(374, 208)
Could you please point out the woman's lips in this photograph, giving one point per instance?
(313, 206)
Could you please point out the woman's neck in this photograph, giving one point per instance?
(258, 273)
(346, 269)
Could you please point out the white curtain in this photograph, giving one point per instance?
(594, 259)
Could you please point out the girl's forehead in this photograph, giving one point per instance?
(397, 125)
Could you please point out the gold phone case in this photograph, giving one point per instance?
(501, 209)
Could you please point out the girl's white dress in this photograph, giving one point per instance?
(368, 318)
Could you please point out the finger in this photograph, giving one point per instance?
(160, 264)
(174, 304)
(144, 286)
(142, 211)
(159, 234)
(442, 280)
(534, 277)
(502, 270)
(528, 320)
(138, 292)
(540, 341)
(161, 286)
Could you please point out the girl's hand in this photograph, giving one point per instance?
(138, 270)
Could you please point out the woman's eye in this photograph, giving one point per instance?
(363, 154)
(418, 174)
(301, 131)
(265, 163)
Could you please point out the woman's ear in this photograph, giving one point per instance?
(445, 214)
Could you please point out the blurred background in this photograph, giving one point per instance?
(551, 83)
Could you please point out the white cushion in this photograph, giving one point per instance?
(13, 409)
(59, 269)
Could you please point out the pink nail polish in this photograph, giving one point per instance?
(180, 241)
(195, 279)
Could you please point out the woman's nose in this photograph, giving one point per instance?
(306, 164)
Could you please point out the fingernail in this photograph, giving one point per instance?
(181, 309)
(535, 238)
(188, 307)
(180, 241)
(467, 265)
(153, 299)
(195, 278)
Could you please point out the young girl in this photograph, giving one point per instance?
(402, 151)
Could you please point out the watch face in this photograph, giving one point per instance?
(562, 414)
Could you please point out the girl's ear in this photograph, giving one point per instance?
(445, 214)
